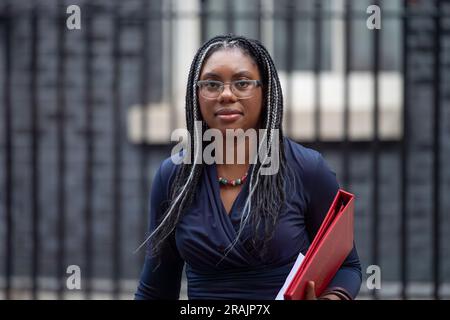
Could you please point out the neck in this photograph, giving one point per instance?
(236, 168)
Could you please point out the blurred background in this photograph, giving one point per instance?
(86, 116)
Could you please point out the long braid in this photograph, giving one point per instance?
(274, 121)
(189, 174)
(266, 192)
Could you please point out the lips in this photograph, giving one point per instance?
(229, 115)
(228, 111)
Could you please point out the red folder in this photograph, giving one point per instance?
(330, 247)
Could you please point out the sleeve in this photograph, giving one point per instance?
(161, 276)
(323, 187)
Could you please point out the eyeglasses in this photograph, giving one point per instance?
(242, 89)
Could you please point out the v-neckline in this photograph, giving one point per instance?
(231, 221)
(228, 213)
(216, 187)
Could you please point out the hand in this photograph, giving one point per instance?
(310, 293)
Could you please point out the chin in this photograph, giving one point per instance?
(231, 126)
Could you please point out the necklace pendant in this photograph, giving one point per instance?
(233, 183)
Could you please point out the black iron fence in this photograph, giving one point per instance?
(66, 97)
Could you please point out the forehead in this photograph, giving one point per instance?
(229, 61)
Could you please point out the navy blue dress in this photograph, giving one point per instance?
(206, 230)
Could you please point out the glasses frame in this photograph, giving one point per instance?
(257, 83)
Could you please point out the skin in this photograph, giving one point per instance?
(226, 65)
(310, 293)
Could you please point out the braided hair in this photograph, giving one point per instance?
(266, 192)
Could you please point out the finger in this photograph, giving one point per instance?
(310, 291)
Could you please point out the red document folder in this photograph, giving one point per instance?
(330, 247)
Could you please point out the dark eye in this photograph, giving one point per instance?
(242, 84)
(212, 85)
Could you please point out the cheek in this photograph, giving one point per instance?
(203, 106)
(257, 108)
(206, 109)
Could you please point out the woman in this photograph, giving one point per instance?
(238, 231)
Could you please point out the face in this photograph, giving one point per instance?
(227, 111)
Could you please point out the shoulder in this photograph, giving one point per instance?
(169, 166)
(166, 173)
(309, 166)
(300, 157)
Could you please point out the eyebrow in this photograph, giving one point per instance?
(243, 73)
(210, 75)
(238, 74)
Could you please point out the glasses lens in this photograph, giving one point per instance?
(210, 89)
(240, 88)
(243, 88)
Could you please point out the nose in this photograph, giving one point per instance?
(227, 94)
